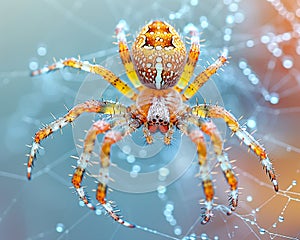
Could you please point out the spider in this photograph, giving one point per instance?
(160, 70)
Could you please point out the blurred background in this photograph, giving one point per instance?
(260, 83)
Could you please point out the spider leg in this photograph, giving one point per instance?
(88, 106)
(92, 68)
(125, 55)
(204, 76)
(110, 138)
(197, 137)
(213, 111)
(98, 127)
(211, 130)
(191, 60)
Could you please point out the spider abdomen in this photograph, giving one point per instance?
(159, 55)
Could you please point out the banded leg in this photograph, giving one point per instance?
(110, 138)
(125, 55)
(213, 111)
(211, 130)
(88, 106)
(204, 76)
(197, 138)
(92, 68)
(98, 127)
(191, 60)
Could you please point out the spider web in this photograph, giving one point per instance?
(261, 83)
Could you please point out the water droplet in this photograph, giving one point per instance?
(265, 39)
(130, 158)
(216, 237)
(126, 149)
(249, 198)
(167, 213)
(169, 218)
(262, 231)
(280, 219)
(294, 183)
(163, 172)
(274, 98)
(203, 22)
(81, 203)
(136, 168)
(33, 65)
(41, 50)
(161, 189)
(239, 17)
(193, 236)
(173, 222)
(194, 2)
(246, 71)
(169, 206)
(98, 211)
(287, 62)
(59, 227)
(177, 230)
(250, 43)
(143, 153)
(230, 19)
(242, 64)
(251, 123)
(233, 7)
(203, 236)
(274, 225)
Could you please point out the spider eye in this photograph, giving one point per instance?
(159, 55)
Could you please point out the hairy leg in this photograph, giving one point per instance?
(213, 111)
(211, 130)
(197, 137)
(98, 127)
(92, 68)
(76, 111)
(110, 138)
(204, 76)
(191, 60)
(125, 55)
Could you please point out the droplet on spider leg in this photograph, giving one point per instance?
(60, 227)
(294, 183)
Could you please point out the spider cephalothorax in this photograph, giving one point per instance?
(160, 71)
